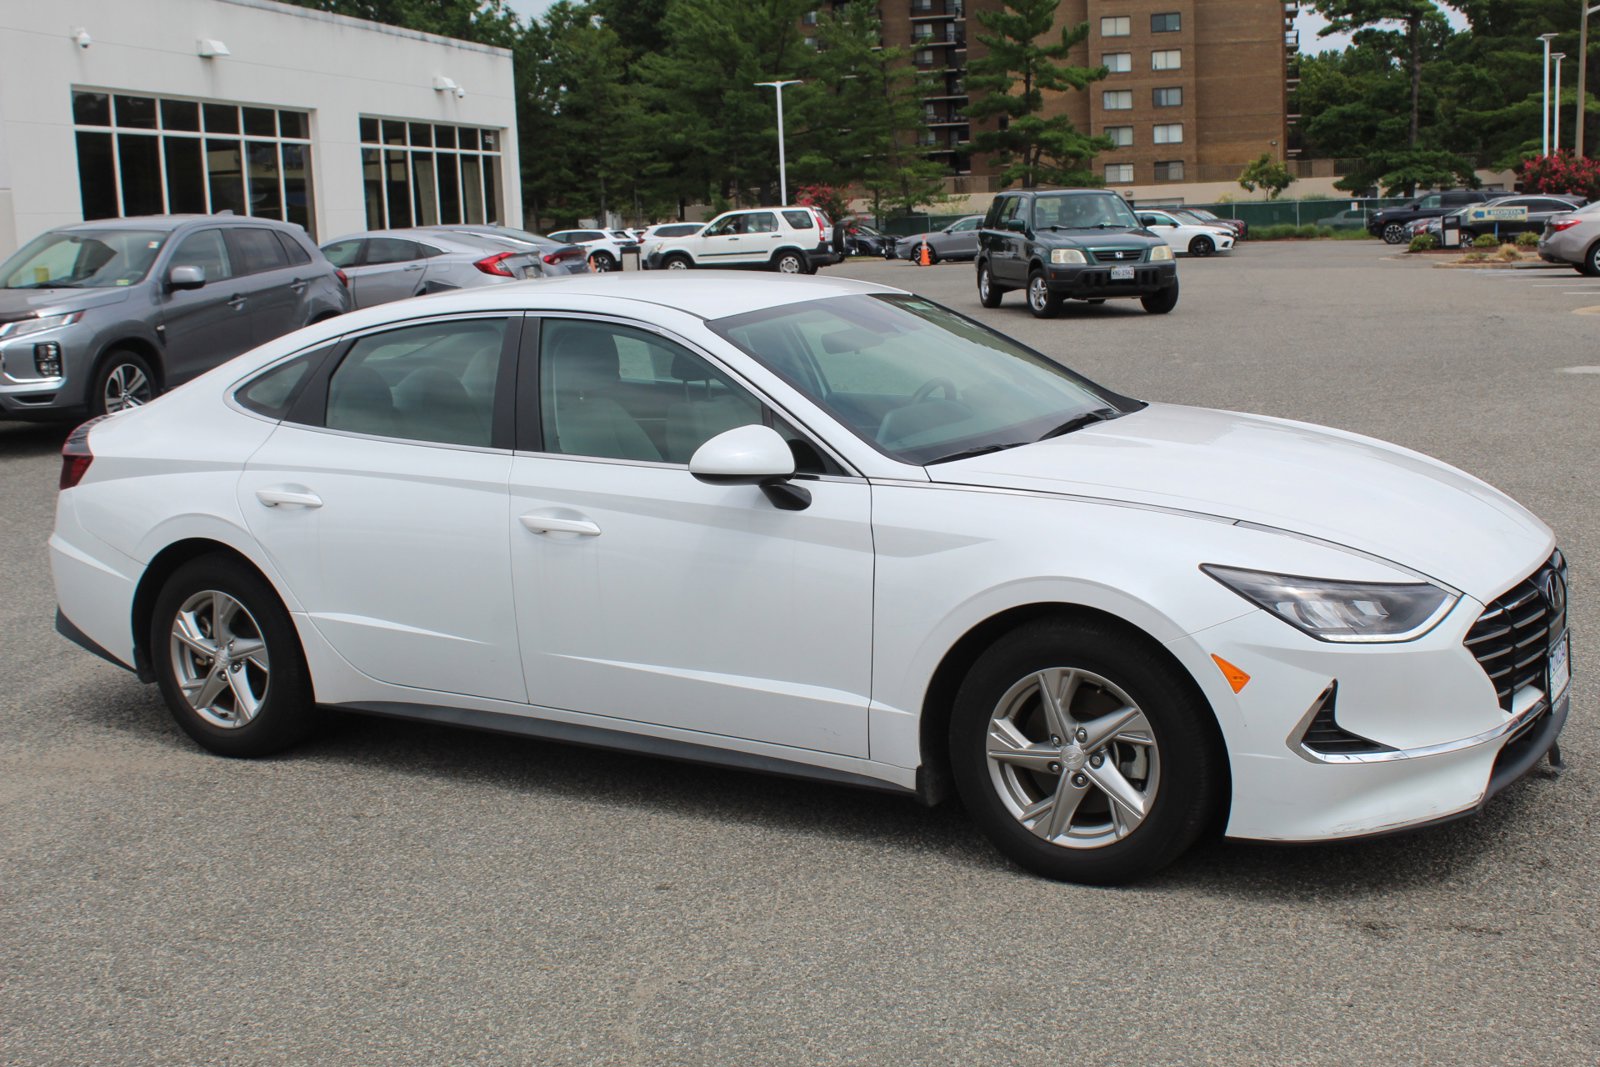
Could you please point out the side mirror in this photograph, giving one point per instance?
(751, 455)
(1017, 225)
(186, 277)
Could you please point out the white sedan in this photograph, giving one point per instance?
(824, 528)
(1186, 236)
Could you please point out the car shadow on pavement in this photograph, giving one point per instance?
(531, 768)
(21, 439)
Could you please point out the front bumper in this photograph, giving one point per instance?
(24, 393)
(1094, 281)
(1440, 742)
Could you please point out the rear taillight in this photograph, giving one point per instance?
(495, 264)
(75, 454)
(1557, 225)
(563, 255)
(344, 279)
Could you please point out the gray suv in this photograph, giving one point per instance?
(105, 315)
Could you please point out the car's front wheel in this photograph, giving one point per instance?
(1041, 301)
(1084, 755)
(1394, 233)
(1161, 301)
(227, 660)
(989, 293)
(123, 381)
(1202, 246)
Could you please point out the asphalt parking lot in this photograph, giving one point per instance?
(403, 894)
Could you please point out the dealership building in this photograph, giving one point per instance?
(144, 107)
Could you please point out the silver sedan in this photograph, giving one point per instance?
(1574, 238)
(959, 240)
(385, 265)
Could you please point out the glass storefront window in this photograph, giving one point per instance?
(420, 173)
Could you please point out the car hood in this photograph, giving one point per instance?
(1367, 495)
(21, 303)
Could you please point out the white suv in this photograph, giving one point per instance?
(790, 240)
(604, 247)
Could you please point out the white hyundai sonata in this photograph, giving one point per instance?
(824, 528)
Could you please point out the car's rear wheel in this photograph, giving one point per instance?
(603, 262)
(1083, 755)
(789, 263)
(989, 293)
(1041, 301)
(1591, 261)
(1202, 246)
(1394, 233)
(1161, 301)
(678, 261)
(123, 381)
(228, 661)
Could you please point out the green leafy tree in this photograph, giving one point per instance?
(1266, 173)
(484, 21)
(1415, 17)
(1024, 61)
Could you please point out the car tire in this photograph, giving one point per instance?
(1591, 261)
(677, 261)
(1394, 233)
(989, 294)
(789, 262)
(124, 380)
(1202, 246)
(1041, 301)
(603, 262)
(1124, 723)
(1161, 301)
(227, 660)
(1466, 237)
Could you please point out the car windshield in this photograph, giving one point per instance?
(1082, 211)
(82, 259)
(915, 380)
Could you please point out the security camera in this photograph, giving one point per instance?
(461, 94)
(81, 36)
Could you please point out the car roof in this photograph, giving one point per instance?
(173, 222)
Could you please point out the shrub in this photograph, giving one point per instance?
(1423, 242)
(1509, 253)
(1486, 240)
(1527, 239)
(1561, 173)
(1474, 257)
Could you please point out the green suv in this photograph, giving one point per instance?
(1078, 244)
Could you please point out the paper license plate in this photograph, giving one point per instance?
(1560, 672)
(1122, 274)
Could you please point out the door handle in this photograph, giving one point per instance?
(414, 266)
(551, 524)
(298, 285)
(236, 302)
(288, 498)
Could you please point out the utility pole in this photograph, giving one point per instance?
(1555, 113)
(1583, 71)
(783, 172)
(1544, 105)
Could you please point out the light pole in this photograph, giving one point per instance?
(1544, 104)
(783, 172)
(1583, 71)
(1555, 110)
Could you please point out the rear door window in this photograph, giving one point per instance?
(256, 250)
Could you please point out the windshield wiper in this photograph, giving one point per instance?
(968, 453)
(1078, 422)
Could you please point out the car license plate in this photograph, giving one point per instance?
(1560, 672)
(1122, 274)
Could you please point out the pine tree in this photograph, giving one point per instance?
(1010, 82)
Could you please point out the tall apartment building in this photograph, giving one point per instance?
(1197, 88)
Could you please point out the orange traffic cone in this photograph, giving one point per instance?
(924, 260)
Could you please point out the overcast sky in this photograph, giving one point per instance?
(1308, 24)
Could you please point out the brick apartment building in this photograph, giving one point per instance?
(1197, 88)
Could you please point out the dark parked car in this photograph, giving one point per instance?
(101, 316)
(1081, 244)
(1541, 208)
(856, 238)
(1390, 223)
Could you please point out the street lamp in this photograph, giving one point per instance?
(783, 172)
(1555, 113)
(1583, 70)
(1544, 104)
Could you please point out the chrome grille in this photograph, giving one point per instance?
(1116, 256)
(1511, 639)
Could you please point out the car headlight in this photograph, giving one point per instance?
(1160, 253)
(1066, 255)
(1331, 610)
(36, 325)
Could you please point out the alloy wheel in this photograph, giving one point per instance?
(127, 386)
(1072, 758)
(1038, 294)
(219, 658)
